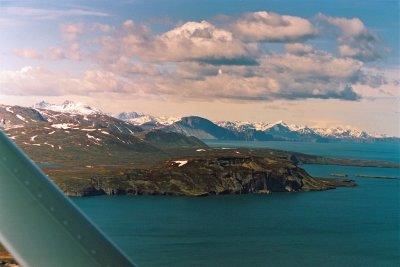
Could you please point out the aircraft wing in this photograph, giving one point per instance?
(40, 226)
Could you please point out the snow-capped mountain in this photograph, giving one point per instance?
(129, 115)
(69, 107)
(145, 120)
(279, 126)
(282, 130)
(242, 125)
(278, 130)
(345, 132)
(263, 126)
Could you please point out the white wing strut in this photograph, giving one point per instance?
(40, 226)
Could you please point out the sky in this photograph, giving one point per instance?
(318, 63)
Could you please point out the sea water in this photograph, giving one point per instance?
(357, 226)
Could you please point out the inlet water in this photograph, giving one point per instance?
(357, 226)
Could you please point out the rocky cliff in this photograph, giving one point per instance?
(202, 176)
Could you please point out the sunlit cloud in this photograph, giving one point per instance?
(356, 40)
(71, 52)
(298, 48)
(272, 27)
(42, 82)
(192, 41)
(27, 53)
(71, 31)
(56, 53)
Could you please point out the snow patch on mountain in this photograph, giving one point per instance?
(21, 118)
(181, 162)
(63, 126)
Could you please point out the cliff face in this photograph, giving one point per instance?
(208, 176)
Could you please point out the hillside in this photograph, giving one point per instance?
(165, 140)
(201, 128)
(66, 138)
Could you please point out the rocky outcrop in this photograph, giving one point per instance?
(210, 176)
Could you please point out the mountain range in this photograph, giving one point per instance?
(280, 131)
(203, 128)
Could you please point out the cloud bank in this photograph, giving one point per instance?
(203, 61)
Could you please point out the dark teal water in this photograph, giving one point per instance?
(357, 226)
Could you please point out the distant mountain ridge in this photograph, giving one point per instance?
(284, 132)
(146, 121)
(253, 131)
(203, 128)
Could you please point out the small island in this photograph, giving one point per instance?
(339, 175)
(377, 177)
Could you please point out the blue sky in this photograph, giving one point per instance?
(320, 63)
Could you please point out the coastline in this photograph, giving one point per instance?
(194, 176)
